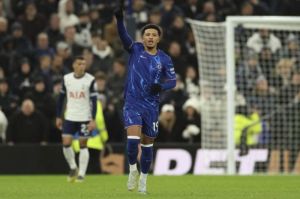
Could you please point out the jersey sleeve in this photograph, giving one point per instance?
(169, 75)
(124, 36)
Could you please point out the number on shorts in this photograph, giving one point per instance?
(84, 128)
(155, 126)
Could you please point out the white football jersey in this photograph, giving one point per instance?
(78, 92)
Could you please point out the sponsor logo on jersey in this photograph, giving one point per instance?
(76, 94)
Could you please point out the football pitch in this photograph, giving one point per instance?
(183, 187)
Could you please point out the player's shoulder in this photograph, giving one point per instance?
(164, 56)
(89, 76)
(68, 76)
(138, 45)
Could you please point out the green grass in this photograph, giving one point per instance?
(183, 187)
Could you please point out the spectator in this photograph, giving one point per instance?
(22, 45)
(225, 8)
(291, 50)
(116, 81)
(167, 124)
(262, 39)
(43, 48)
(267, 63)
(286, 135)
(247, 9)
(189, 49)
(169, 10)
(45, 103)
(248, 73)
(69, 35)
(191, 82)
(30, 119)
(3, 29)
(104, 94)
(140, 13)
(96, 21)
(22, 78)
(103, 55)
(155, 16)
(64, 51)
(191, 131)
(260, 7)
(47, 7)
(83, 36)
(177, 31)
(33, 23)
(208, 12)
(249, 121)
(42, 99)
(262, 98)
(53, 31)
(58, 70)
(191, 9)
(283, 73)
(8, 102)
(66, 14)
(44, 71)
(179, 60)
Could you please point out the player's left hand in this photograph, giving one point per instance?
(91, 125)
(119, 10)
(155, 89)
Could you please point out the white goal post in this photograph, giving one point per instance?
(223, 46)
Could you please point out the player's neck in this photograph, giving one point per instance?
(78, 76)
(151, 51)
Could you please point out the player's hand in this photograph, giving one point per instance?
(119, 10)
(59, 123)
(155, 89)
(91, 125)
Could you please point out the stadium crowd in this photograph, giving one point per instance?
(38, 40)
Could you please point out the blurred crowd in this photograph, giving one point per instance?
(38, 40)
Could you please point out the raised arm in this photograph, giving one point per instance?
(123, 34)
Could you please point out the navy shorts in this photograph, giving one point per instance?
(142, 115)
(75, 128)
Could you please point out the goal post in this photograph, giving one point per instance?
(224, 50)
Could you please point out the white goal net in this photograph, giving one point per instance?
(265, 54)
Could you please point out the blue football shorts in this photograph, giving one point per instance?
(142, 115)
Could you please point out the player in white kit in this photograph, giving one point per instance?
(79, 116)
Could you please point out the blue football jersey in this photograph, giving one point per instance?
(144, 70)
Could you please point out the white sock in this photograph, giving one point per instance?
(70, 157)
(143, 176)
(83, 161)
(132, 167)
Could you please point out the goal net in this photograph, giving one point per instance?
(250, 92)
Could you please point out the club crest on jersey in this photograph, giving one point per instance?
(158, 66)
(76, 94)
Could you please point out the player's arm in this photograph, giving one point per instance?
(93, 100)
(59, 105)
(124, 36)
(168, 81)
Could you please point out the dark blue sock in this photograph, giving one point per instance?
(132, 150)
(146, 158)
